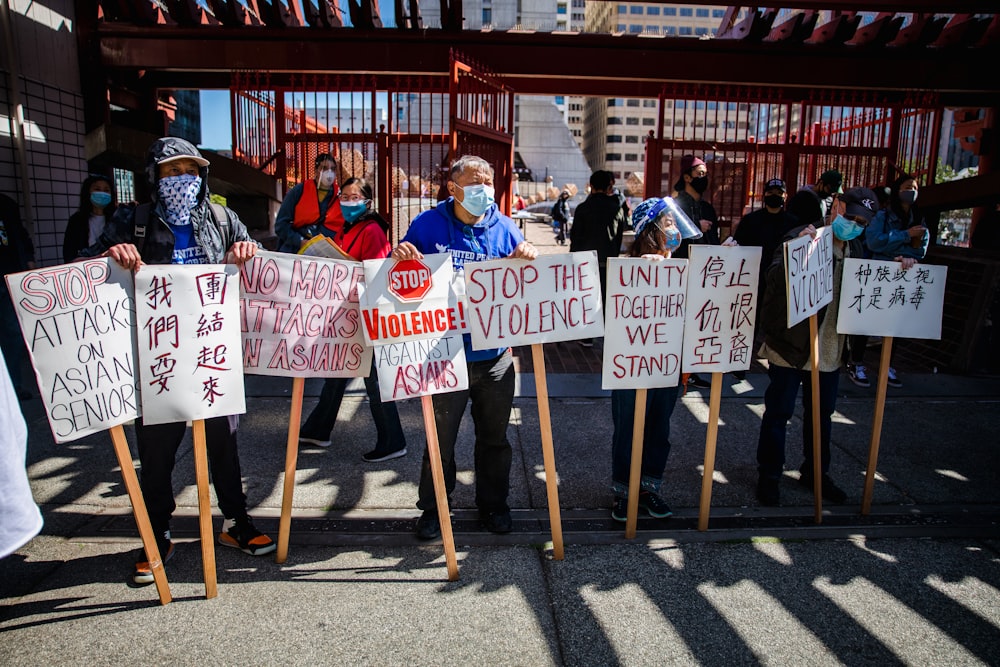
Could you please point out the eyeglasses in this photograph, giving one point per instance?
(353, 199)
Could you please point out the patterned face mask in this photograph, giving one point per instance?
(179, 195)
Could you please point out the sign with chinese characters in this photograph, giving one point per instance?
(77, 320)
(644, 323)
(188, 331)
(520, 302)
(421, 367)
(808, 274)
(300, 317)
(721, 308)
(881, 299)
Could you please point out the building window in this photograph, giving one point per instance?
(670, 30)
(685, 31)
(632, 102)
(635, 9)
(621, 27)
(612, 157)
(701, 31)
(631, 121)
(631, 157)
(622, 9)
(718, 13)
(653, 29)
(652, 11)
(648, 122)
(649, 104)
(701, 13)
(635, 29)
(686, 11)
(560, 99)
(487, 15)
(561, 9)
(631, 139)
(670, 11)
(614, 138)
(614, 120)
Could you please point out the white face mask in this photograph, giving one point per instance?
(326, 179)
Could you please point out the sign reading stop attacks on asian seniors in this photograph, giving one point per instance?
(300, 317)
(644, 323)
(721, 308)
(879, 298)
(521, 302)
(78, 321)
(188, 332)
(808, 274)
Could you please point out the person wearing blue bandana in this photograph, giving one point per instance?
(788, 351)
(470, 227)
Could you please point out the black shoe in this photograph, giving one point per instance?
(497, 522)
(143, 572)
(375, 456)
(619, 511)
(654, 505)
(830, 491)
(428, 525)
(698, 383)
(740, 375)
(768, 493)
(241, 534)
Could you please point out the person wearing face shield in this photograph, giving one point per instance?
(469, 226)
(97, 205)
(788, 354)
(310, 208)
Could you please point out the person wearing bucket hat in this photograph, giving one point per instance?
(658, 224)
(787, 351)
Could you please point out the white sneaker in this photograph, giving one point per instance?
(314, 442)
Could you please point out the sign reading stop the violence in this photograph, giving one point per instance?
(808, 274)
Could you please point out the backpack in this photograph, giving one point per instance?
(141, 222)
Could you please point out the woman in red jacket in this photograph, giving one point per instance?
(310, 208)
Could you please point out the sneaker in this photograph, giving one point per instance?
(375, 456)
(894, 380)
(768, 492)
(654, 505)
(143, 573)
(619, 512)
(316, 442)
(698, 383)
(586, 342)
(241, 534)
(428, 525)
(497, 522)
(830, 491)
(859, 375)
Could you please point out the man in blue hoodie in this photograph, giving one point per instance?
(470, 226)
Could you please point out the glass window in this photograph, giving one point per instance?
(686, 11)
(614, 138)
(718, 13)
(560, 99)
(701, 13)
(631, 139)
(653, 29)
(614, 120)
(632, 102)
(561, 9)
(635, 29)
(635, 9)
(670, 30)
(685, 30)
(701, 31)
(621, 27)
(648, 122)
(631, 121)
(622, 9)
(631, 157)
(652, 11)
(670, 11)
(649, 104)
(612, 157)
(487, 16)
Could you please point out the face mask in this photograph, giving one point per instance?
(353, 211)
(477, 198)
(326, 179)
(908, 197)
(673, 241)
(774, 201)
(100, 199)
(700, 184)
(845, 229)
(179, 195)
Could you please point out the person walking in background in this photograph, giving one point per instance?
(560, 214)
(180, 226)
(470, 227)
(97, 205)
(788, 354)
(599, 224)
(17, 254)
(363, 237)
(310, 208)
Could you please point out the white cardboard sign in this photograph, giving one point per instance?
(421, 368)
(879, 298)
(644, 326)
(808, 274)
(188, 333)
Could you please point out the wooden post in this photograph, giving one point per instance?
(120, 445)
(635, 469)
(883, 381)
(817, 445)
(548, 452)
(711, 437)
(291, 458)
(440, 492)
(204, 508)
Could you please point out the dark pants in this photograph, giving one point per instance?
(323, 417)
(779, 405)
(11, 340)
(655, 438)
(491, 390)
(158, 444)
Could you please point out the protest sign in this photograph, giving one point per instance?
(808, 274)
(722, 308)
(77, 321)
(188, 332)
(548, 299)
(879, 298)
(300, 317)
(412, 368)
(644, 323)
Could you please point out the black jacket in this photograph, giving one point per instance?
(598, 224)
(697, 209)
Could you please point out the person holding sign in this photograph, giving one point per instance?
(656, 236)
(179, 226)
(470, 227)
(310, 208)
(363, 237)
(787, 351)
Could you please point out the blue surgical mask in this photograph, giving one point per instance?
(100, 199)
(673, 240)
(353, 210)
(477, 198)
(845, 229)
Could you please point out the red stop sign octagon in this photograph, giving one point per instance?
(409, 280)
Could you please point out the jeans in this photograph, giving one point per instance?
(158, 444)
(491, 390)
(323, 417)
(779, 405)
(660, 404)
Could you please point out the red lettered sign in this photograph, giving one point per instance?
(409, 280)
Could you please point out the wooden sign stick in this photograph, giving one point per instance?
(204, 508)
(548, 451)
(291, 458)
(711, 438)
(440, 492)
(635, 468)
(883, 382)
(817, 445)
(120, 445)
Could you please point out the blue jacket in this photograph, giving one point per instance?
(493, 237)
(887, 238)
